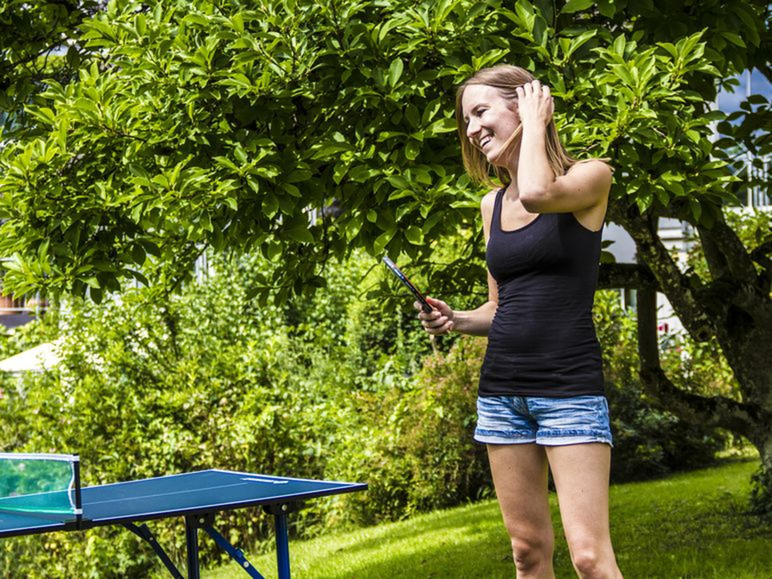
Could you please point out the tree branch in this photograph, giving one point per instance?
(735, 280)
(725, 252)
(716, 411)
(713, 255)
(672, 282)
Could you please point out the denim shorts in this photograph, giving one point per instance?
(545, 421)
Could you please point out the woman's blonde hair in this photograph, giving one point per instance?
(506, 78)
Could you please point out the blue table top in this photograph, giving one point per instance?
(174, 495)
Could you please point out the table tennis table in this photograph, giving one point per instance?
(196, 496)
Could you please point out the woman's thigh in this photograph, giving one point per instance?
(520, 478)
(581, 475)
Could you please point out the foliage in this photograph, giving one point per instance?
(329, 387)
(197, 123)
(745, 140)
(36, 43)
(415, 443)
(22, 338)
(13, 341)
(754, 229)
(648, 441)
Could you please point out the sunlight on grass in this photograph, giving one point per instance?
(688, 525)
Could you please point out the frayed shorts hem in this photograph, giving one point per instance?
(563, 439)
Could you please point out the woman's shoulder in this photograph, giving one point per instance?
(591, 174)
(599, 166)
(486, 207)
(489, 200)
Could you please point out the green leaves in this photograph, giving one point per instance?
(395, 71)
(299, 232)
(414, 235)
(570, 46)
(43, 115)
(196, 126)
(576, 6)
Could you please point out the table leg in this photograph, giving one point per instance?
(191, 538)
(282, 545)
(143, 532)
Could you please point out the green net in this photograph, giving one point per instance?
(39, 484)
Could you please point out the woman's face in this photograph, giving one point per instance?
(490, 120)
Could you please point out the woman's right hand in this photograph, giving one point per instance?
(441, 318)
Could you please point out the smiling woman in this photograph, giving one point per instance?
(499, 85)
(541, 403)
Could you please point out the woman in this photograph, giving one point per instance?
(541, 402)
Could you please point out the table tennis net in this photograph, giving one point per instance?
(45, 484)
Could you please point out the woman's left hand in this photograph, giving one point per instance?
(534, 104)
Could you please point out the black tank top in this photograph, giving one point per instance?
(542, 339)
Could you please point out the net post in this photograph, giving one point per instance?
(78, 502)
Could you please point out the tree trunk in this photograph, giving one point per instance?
(735, 307)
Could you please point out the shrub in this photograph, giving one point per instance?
(415, 446)
(333, 387)
(151, 385)
(647, 440)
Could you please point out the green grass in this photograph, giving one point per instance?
(689, 525)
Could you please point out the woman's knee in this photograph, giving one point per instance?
(532, 553)
(594, 562)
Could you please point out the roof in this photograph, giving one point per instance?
(37, 359)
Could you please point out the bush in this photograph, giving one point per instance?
(415, 445)
(151, 385)
(647, 440)
(333, 387)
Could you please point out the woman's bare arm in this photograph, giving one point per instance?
(475, 322)
(583, 188)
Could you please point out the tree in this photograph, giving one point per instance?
(37, 42)
(200, 124)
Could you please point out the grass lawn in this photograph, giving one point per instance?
(689, 526)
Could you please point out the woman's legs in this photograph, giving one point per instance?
(581, 475)
(520, 477)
